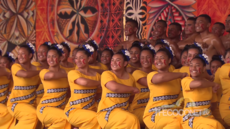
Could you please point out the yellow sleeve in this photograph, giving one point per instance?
(73, 75)
(104, 67)
(176, 70)
(154, 67)
(137, 74)
(36, 64)
(171, 68)
(217, 76)
(185, 83)
(150, 76)
(224, 72)
(214, 98)
(98, 76)
(15, 68)
(106, 77)
(42, 73)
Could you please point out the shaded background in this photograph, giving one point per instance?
(77, 21)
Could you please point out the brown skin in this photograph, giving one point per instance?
(212, 44)
(130, 31)
(106, 58)
(183, 59)
(174, 33)
(158, 33)
(217, 30)
(64, 60)
(226, 39)
(42, 56)
(134, 60)
(5, 63)
(214, 66)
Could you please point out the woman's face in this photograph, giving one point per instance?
(5, 63)
(183, 59)
(146, 59)
(191, 54)
(106, 57)
(93, 58)
(81, 59)
(214, 66)
(73, 55)
(42, 53)
(53, 58)
(162, 60)
(65, 55)
(24, 55)
(135, 55)
(196, 67)
(118, 62)
(227, 58)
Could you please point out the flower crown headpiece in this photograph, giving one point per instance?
(94, 42)
(171, 51)
(67, 44)
(165, 42)
(59, 47)
(48, 43)
(88, 48)
(222, 59)
(126, 53)
(151, 48)
(141, 44)
(204, 57)
(0, 52)
(31, 46)
(198, 45)
(11, 56)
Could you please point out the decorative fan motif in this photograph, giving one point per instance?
(170, 10)
(136, 9)
(76, 20)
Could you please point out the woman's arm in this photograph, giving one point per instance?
(165, 77)
(202, 83)
(120, 88)
(3, 72)
(27, 74)
(51, 75)
(143, 81)
(87, 82)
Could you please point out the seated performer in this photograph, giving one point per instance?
(131, 28)
(218, 29)
(226, 39)
(64, 64)
(198, 93)
(216, 63)
(84, 83)
(117, 86)
(164, 89)
(7, 121)
(23, 95)
(213, 43)
(174, 32)
(224, 76)
(141, 99)
(106, 56)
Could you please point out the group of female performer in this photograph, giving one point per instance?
(131, 89)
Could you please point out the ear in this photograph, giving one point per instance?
(170, 60)
(125, 63)
(30, 55)
(222, 32)
(204, 69)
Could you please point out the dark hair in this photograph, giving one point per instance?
(207, 17)
(123, 55)
(217, 58)
(166, 51)
(226, 52)
(109, 50)
(134, 22)
(136, 44)
(193, 46)
(65, 45)
(8, 58)
(221, 24)
(91, 43)
(0, 52)
(160, 42)
(28, 49)
(179, 27)
(54, 47)
(202, 60)
(146, 48)
(46, 45)
(81, 48)
(192, 19)
(185, 49)
(163, 22)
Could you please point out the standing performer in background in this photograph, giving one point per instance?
(226, 39)
(84, 82)
(23, 95)
(7, 121)
(67, 66)
(218, 29)
(174, 33)
(117, 86)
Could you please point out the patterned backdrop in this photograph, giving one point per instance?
(77, 21)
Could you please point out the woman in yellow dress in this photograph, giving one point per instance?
(106, 56)
(54, 79)
(141, 99)
(117, 86)
(7, 121)
(26, 80)
(84, 82)
(134, 62)
(64, 64)
(164, 89)
(224, 76)
(42, 63)
(216, 63)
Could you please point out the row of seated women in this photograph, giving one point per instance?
(113, 94)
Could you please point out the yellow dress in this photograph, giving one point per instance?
(81, 108)
(197, 113)
(50, 109)
(7, 121)
(141, 99)
(40, 89)
(22, 99)
(171, 68)
(225, 99)
(162, 102)
(112, 110)
(102, 66)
